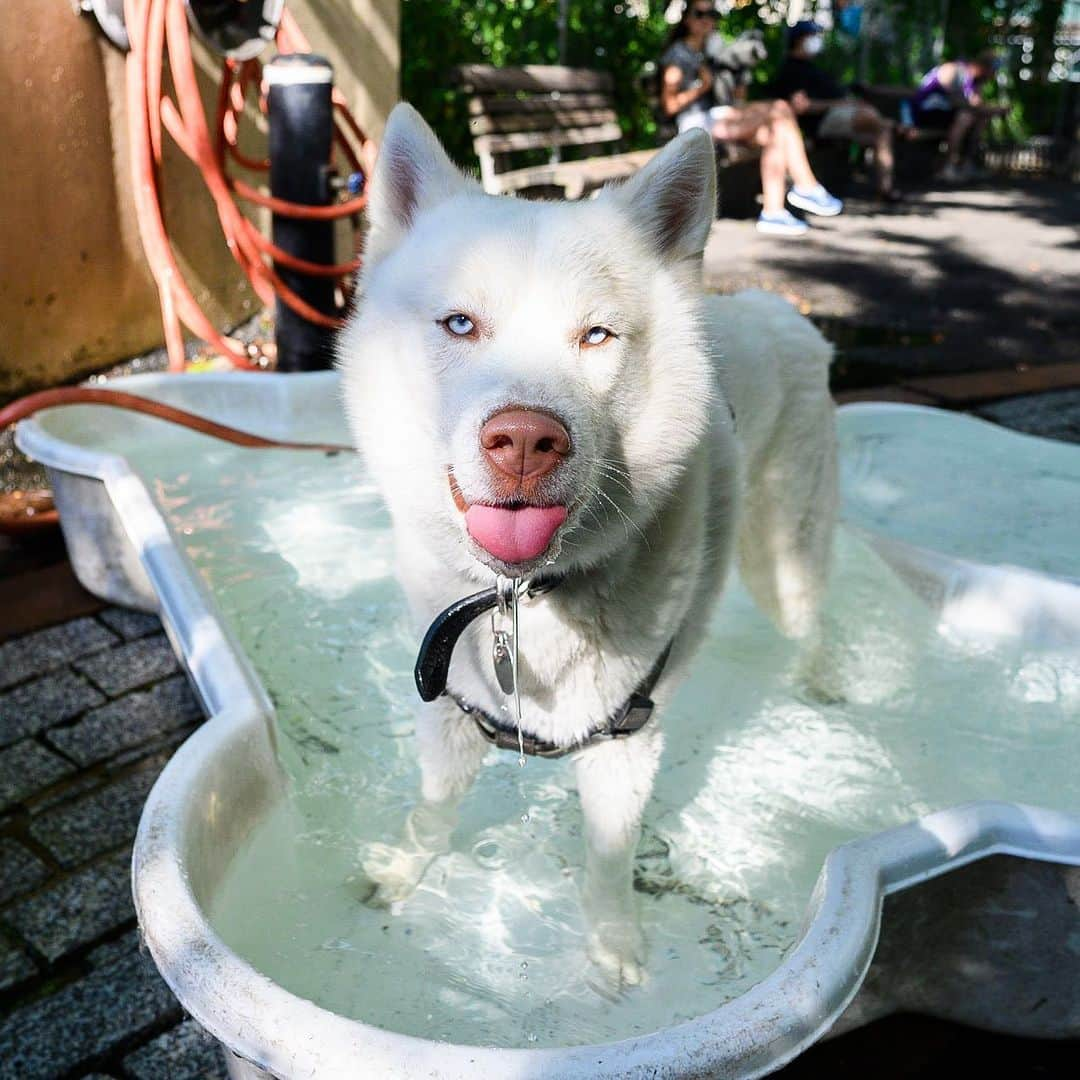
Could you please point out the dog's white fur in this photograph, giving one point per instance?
(704, 426)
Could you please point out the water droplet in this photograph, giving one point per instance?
(524, 964)
(525, 819)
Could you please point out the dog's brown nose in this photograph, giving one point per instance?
(524, 444)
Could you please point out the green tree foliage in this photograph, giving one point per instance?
(436, 35)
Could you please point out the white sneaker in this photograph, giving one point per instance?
(782, 223)
(815, 200)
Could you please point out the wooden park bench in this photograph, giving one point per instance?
(536, 108)
(513, 110)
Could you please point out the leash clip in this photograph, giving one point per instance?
(433, 659)
(503, 643)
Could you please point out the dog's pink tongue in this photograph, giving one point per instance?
(513, 535)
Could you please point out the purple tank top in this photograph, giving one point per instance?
(934, 94)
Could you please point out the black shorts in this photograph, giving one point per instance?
(934, 119)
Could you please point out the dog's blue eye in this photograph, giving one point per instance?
(459, 324)
(595, 335)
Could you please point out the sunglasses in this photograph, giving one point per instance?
(703, 13)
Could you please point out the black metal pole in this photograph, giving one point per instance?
(301, 130)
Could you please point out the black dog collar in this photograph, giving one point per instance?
(433, 660)
(433, 666)
(632, 716)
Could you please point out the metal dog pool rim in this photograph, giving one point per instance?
(225, 778)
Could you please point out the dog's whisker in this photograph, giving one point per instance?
(617, 481)
(594, 494)
(589, 507)
(614, 472)
(592, 513)
(614, 467)
(628, 521)
(619, 490)
(595, 491)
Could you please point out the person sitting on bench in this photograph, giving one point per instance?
(948, 98)
(826, 110)
(686, 95)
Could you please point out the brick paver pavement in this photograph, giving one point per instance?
(90, 712)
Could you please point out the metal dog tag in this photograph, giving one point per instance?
(502, 657)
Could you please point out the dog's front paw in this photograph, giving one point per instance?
(618, 959)
(393, 873)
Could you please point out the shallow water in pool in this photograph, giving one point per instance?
(774, 756)
(963, 487)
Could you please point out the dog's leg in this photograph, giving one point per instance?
(614, 781)
(788, 518)
(450, 750)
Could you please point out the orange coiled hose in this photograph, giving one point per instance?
(155, 26)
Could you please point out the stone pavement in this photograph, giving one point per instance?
(937, 304)
(90, 710)
(947, 283)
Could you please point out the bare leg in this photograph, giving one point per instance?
(772, 126)
(872, 129)
(976, 137)
(961, 125)
(788, 134)
(450, 751)
(773, 172)
(615, 780)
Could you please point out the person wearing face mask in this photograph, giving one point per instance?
(825, 108)
(687, 96)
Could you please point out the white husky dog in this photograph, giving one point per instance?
(541, 390)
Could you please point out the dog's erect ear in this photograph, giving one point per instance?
(412, 173)
(674, 197)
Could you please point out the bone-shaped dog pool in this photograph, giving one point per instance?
(920, 758)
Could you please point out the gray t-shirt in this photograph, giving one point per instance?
(689, 62)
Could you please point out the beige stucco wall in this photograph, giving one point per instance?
(75, 291)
